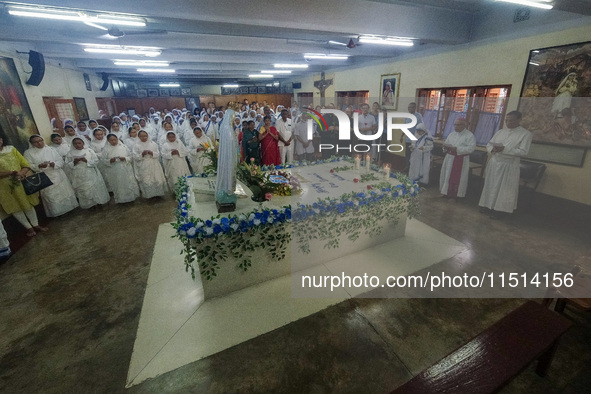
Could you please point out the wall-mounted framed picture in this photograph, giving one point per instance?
(253, 90)
(186, 91)
(80, 104)
(243, 90)
(142, 93)
(152, 92)
(555, 96)
(389, 88)
(164, 92)
(175, 92)
(261, 90)
(87, 82)
(551, 153)
(191, 103)
(16, 119)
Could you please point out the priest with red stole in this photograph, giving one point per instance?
(456, 165)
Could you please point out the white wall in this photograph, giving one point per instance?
(495, 63)
(57, 82)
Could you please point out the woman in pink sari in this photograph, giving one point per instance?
(268, 137)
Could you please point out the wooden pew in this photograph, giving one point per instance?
(494, 357)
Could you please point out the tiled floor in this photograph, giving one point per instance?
(72, 297)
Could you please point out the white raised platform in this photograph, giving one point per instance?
(178, 327)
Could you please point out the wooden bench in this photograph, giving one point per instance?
(493, 358)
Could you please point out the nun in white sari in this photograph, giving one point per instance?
(116, 158)
(174, 155)
(86, 179)
(197, 147)
(97, 144)
(58, 198)
(148, 170)
(420, 158)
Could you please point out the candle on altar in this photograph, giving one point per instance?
(357, 162)
(386, 172)
(367, 161)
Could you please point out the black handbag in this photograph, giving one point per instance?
(36, 182)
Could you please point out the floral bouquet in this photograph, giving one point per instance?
(211, 153)
(289, 187)
(257, 180)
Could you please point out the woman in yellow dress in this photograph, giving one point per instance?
(13, 168)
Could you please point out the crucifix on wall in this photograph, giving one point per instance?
(322, 85)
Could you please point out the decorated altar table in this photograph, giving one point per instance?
(340, 210)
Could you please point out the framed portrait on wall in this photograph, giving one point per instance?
(142, 93)
(16, 119)
(389, 89)
(555, 96)
(80, 104)
(186, 91)
(163, 92)
(175, 92)
(152, 92)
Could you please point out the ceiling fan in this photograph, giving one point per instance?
(114, 32)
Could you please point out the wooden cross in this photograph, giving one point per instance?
(322, 85)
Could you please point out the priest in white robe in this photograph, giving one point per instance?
(453, 181)
(501, 184)
(58, 198)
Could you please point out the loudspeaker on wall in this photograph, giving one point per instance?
(105, 78)
(38, 64)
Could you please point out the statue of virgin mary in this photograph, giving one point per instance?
(227, 160)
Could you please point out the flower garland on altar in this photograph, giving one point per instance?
(210, 242)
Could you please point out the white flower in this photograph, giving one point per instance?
(199, 224)
(191, 232)
(183, 232)
(256, 222)
(270, 220)
(216, 221)
(234, 226)
(209, 231)
(241, 217)
(251, 216)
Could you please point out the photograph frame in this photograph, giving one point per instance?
(185, 91)
(153, 92)
(163, 92)
(81, 109)
(557, 154)
(389, 100)
(142, 93)
(554, 97)
(13, 97)
(175, 92)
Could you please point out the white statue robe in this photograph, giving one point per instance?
(227, 161)
(420, 160)
(465, 143)
(148, 170)
(120, 173)
(175, 166)
(198, 160)
(58, 198)
(86, 179)
(501, 183)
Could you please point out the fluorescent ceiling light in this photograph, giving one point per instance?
(284, 65)
(141, 63)
(545, 4)
(260, 76)
(534, 63)
(276, 84)
(170, 85)
(269, 85)
(122, 49)
(231, 85)
(155, 70)
(325, 57)
(337, 43)
(275, 71)
(74, 16)
(406, 42)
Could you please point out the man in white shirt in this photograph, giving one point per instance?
(501, 183)
(304, 147)
(283, 126)
(453, 181)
